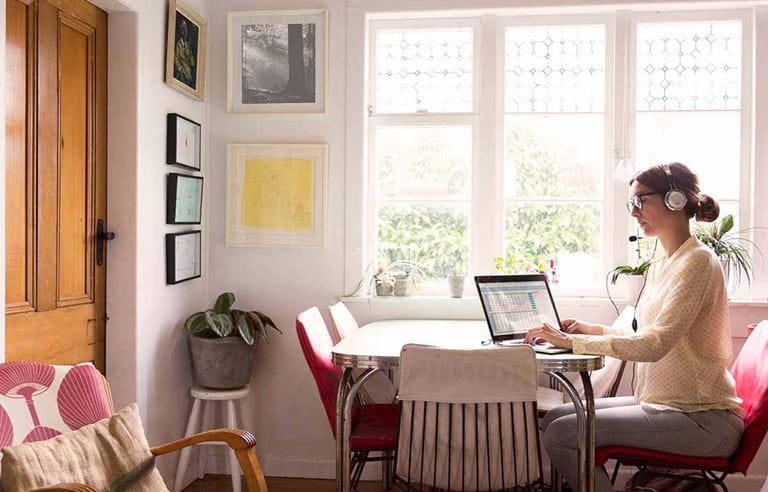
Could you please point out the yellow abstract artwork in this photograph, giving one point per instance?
(278, 194)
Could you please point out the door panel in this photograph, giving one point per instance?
(65, 320)
(19, 160)
(75, 164)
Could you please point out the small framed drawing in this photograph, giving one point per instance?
(276, 194)
(185, 50)
(182, 256)
(183, 142)
(277, 61)
(184, 200)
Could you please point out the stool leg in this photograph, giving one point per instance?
(234, 466)
(201, 449)
(184, 458)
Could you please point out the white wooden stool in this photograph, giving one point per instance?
(201, 395)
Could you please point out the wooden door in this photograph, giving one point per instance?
(56, 90)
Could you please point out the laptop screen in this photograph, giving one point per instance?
(514, 304)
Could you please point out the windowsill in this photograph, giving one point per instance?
(586, 300)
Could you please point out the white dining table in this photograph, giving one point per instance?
(376, 346)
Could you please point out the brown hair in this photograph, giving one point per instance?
(699, 205)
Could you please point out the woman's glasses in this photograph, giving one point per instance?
(637, 200)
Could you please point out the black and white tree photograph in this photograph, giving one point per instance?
(280, 64)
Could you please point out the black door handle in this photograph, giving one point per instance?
(102, 237)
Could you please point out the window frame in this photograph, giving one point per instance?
(487, 121)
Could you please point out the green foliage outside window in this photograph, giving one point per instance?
(435, 236)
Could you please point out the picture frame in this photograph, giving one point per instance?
(185, 50)
(184, 199)
(183, 142)
(277, 61)
(276, 194)
(183, 253)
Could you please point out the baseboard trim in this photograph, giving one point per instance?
(294, 467)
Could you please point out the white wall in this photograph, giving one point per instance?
(162, 362)
(283, 409)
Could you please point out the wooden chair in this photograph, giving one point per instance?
(96, 404)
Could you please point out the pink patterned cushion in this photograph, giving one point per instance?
(41, 401)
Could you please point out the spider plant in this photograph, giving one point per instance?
(728, 245)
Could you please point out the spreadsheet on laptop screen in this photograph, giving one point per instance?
(513, 308)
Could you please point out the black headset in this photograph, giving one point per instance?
(675, 200)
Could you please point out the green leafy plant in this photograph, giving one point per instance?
(640, 269)
(223, 321)
(728, 245)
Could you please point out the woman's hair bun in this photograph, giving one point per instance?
(707, 210)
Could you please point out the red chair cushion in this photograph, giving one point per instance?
(751, 374)
(606, 453)
(375, 427)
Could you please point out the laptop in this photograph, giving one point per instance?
(513, 304)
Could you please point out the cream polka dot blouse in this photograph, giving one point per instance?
(683, 343)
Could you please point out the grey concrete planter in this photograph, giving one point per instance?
(222, 363)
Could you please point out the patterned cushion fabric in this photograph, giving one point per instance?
(111, 454)
(41, 401)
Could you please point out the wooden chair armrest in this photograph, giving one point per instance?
(242, 442)
(234, 438)
(66, 487)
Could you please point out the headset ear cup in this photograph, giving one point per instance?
(675, 200)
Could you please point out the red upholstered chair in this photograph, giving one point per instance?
(751, 373)
(374, 427)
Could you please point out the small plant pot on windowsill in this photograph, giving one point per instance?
(634, 284)
(456, 285)
(402, 284)
(384, 289)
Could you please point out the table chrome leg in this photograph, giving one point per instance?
(341, 400)
(581, 427)
(589, 443)
(346, 434)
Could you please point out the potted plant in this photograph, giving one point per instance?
(729, 247)
(403, 271)
(383, 282)
(222, 342)
(634, 275)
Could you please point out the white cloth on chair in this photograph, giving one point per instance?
(468, 416)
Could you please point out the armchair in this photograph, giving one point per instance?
(82, 397)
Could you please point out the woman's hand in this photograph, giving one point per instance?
(578, 327)
(552, 335)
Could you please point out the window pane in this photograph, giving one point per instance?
(706, 141)
(689, 65)
(568, 233)
(555, 69)
(426, 162)
(554, 156)
(424, 70)
(435, 236)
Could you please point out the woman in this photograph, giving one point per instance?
(685, 400)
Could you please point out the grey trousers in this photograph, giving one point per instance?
(619, 421)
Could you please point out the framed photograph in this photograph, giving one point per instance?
(183, 142)
(185, 50)
(184, 200)
(182, 256)
(277, 61)
(276, 194)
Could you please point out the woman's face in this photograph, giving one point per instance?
(654, 216)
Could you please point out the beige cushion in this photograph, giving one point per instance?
(97, 455)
